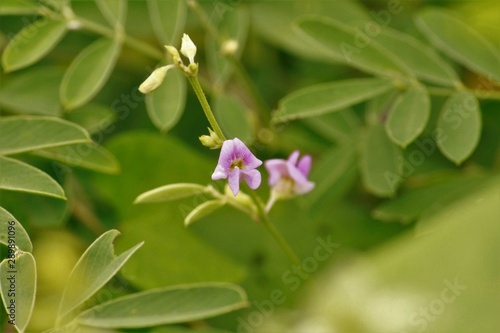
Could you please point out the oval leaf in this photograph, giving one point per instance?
(95, 267)
(18, 7)
(203, 210)
(459, 126)
(114, 11)
(380, 162)
(408, 116)
(353, 46)
(329, 97)
(20, 134)
(84, 155)
(233, 117)
(95, 118)
(88, 72)
(168, 19)
(22, 177)
(459, 41)
(20, 271)
(422, 59)
(32, 92)
(32, 43)
(170, 305)
(171, 192)
(13, 231)
(166, 104)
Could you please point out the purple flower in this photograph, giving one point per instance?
(237, 162)
(288, 178)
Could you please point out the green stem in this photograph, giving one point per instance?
(479, 93)
(205, 106)
(273, 231)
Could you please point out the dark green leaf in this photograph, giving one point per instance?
(22, 239)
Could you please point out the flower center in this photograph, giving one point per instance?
(237, 163)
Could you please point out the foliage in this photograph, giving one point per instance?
(396, 101)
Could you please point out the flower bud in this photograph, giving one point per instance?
(154, 80)
(211, 141)
(174, 53)
(188, 49)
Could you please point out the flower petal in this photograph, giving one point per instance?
(304, 187)
(234, 180)
(276, 168)
(242, 151)
(305, 165)
(252, 178)
(226, 155)
(294, 157)
(295, 174)
(219, 173)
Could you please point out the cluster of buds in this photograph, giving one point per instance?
(188, 49)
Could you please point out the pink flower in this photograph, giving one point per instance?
(288, 178)
(236, 162)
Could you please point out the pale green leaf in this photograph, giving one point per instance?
(171, 192)
(329, 97)
(18, 234)
(232, 26)
(380, 162)
(32, 43)
(166, 104)
(171, 305)
(22, 177)
(205, 209)
(409, 116)
(422, 59)
(18, 7)
(168, 19)
(20, 272)
(344, 42)
(84, 155)
(233, 117)
(21, 134)
(95, 118)
(114, 11)
(458, 128)
(88, 72)
(340, 127)
(32, 92)
(95, 267)
(459, 41)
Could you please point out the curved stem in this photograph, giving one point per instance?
(205, 106)
(273, 231)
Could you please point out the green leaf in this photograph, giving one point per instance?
(169, 305)
(20, 134)
(414, 203)
(96, 267)
(205, 209)
(88, 72)
(339, 127)
(329, 97)
(460, 42)
(458, 128)
(84, 155)
(422, 59)
(168, 19)
(233, 117)
(95, 118)
(114, 11)
(166, 104)
(409, 116)
(232, 25)
(20, 299)
(18, 7)
(22, 177)
(171, 192)
(353, 47)
(380, 162)
(35, 91)
(32, 43)
(276, 25)
(22, 239)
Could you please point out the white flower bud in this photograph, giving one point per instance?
(188, 49)
(154, 80)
